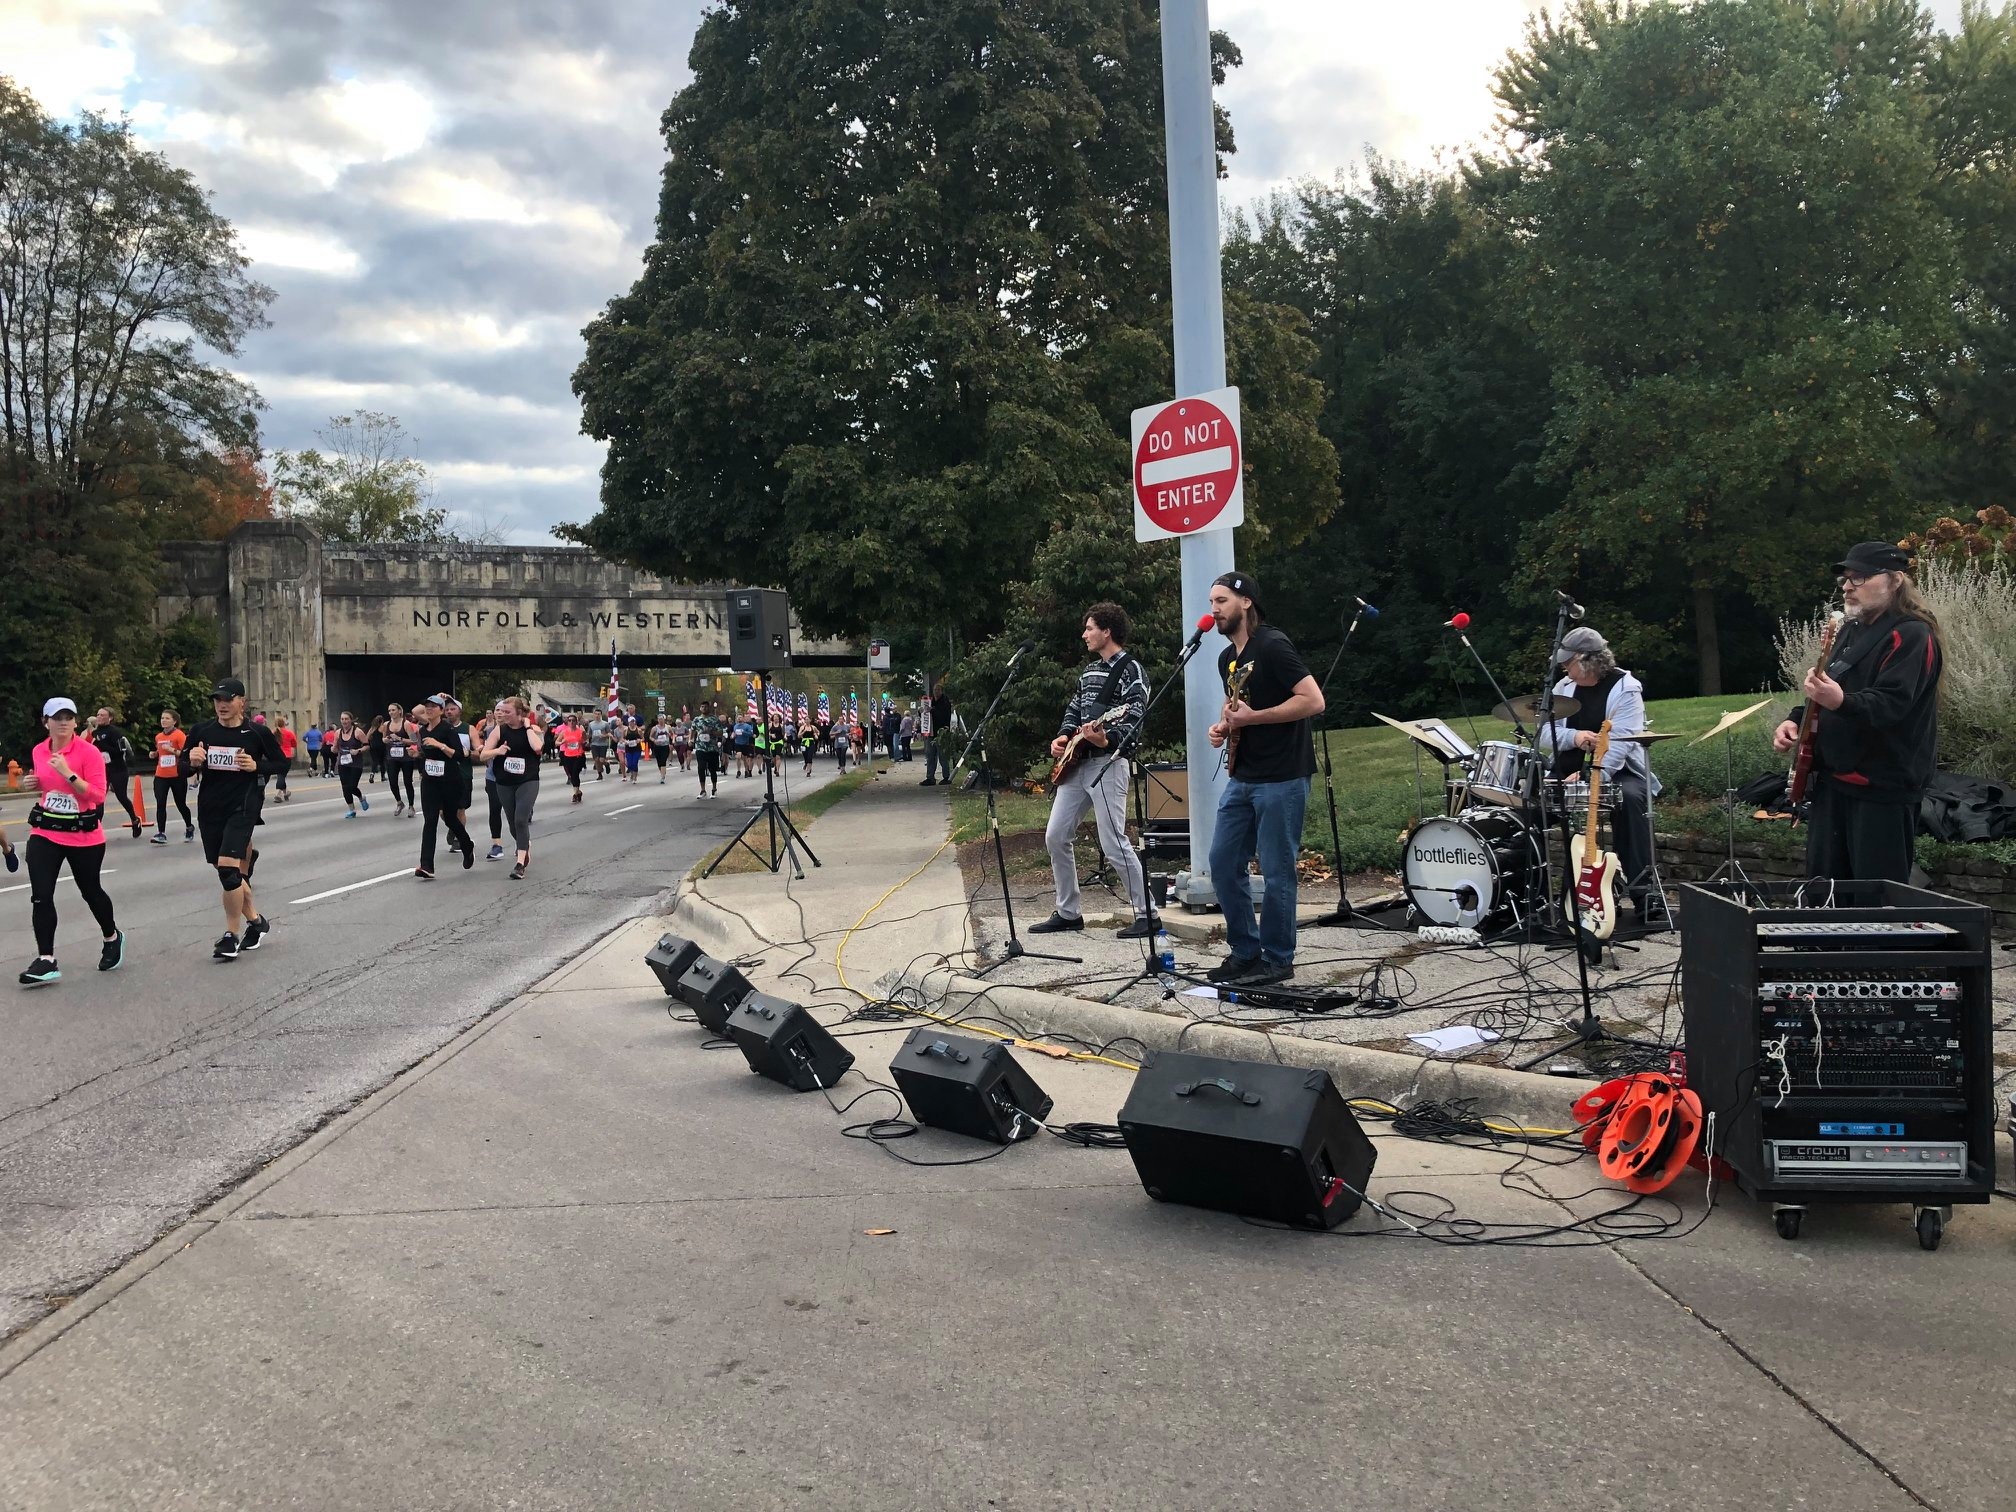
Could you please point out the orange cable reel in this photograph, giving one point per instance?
(1638, 1127)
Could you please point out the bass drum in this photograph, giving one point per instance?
(1469, 871)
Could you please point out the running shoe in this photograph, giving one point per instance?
(136, 829)
(398, 809)
(189, 835)
(13, 860)
(496, 853)
(113, 954)
(41, 971)
(227, 948)
(423, 874)
(518, 872)
(350, 813)
(159, 837)
(256, 931)
(468, 857)
(364, 803)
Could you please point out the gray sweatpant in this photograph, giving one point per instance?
(516, 801)
(1106, 795)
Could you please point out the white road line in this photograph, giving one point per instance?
(24, 886)
(614, 812)
(338, 891)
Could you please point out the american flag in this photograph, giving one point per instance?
(804, 711)
(615, 681)
(825, 709)
(748, 700)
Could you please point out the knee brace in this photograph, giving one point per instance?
(231, 878)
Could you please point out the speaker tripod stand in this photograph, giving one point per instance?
(782, 833)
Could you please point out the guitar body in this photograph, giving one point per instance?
(1809, 724)
(1074, 752)
(1593, 868)
(1235, 694)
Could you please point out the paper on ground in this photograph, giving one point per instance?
(1456, 1037)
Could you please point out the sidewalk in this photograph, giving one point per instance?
(577, 1259)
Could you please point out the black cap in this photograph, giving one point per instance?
(1874, 556)
(229, 687)
(1242, 584)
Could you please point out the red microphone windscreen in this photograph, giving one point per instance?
(1461, 621)
(1206, 621)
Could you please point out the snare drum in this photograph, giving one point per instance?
(1470, 870)
(1500, 772)
(1572, 798)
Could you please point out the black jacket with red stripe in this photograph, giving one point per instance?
(1881, 742)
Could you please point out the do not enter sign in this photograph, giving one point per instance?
(1187, 475)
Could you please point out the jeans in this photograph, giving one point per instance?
(1263, 819)
(938, 758)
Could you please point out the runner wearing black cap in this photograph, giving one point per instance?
(117, 749)
(1267, 785)
(442, 758)
(1878, 726)
(233, 754)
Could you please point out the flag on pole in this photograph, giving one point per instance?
(748, 700)
(615, 682)
(825, 709)
(804, 711)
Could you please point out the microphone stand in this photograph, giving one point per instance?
(977, 742)
(1344, 914)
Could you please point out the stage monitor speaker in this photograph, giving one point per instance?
(1249, 1137)
(670, 960)
(968, 1085)
(759, 629)
(785, 1043)
(1168, 792)
(711, 989)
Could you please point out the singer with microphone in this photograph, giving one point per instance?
(1100, 725)
(1267, 787)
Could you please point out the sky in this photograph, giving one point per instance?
(444, 193)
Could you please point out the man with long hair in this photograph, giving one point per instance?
(1877, 732)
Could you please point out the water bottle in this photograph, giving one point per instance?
(1165, 950)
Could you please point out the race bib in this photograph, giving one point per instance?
(346, 758)
(396, 753)
(168, 765)
(434, 766)
(220, 758)
(59, 803)
(463, 736)
(515, 765)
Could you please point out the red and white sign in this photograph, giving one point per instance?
(1187, 467)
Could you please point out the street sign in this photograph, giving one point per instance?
(878, 656)
(1187, 467)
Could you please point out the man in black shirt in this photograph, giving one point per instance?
(118, 753)
(1270, 757)
(444, 782)
(235, 757)
(938, 745)
(1878, 728)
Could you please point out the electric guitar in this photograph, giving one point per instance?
(1075, 750)
(1235, 693)
(1595, 870)
(1809, 723)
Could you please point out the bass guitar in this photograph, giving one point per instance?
(1595, 870)
(1809, 723)
(1075, 750)
(1235, 693)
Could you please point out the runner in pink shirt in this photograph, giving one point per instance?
(66, 824)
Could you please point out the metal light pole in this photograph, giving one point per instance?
(1198, 308)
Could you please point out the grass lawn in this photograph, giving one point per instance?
(803, 812)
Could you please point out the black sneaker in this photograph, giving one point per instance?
(468, 857)
(227, 948)
(1143, 928)
(188, 834)
(1056, 924)
(1263, 973)
(256, 931)
(40, 973)
(112, 955)
(1231, 968)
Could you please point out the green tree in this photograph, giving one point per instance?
(117, 283)
(1734, 259)
(361, 484)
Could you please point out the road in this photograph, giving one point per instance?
(129, 1099)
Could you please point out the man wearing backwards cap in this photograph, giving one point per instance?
(1260, 811)
(1878, 726)
(234, 755)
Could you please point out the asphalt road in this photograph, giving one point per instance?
(129, 1099)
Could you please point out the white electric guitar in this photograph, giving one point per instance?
(1594, 870)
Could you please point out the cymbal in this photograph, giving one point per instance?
(1732, 719)
(1525, 709)
(1645, 737)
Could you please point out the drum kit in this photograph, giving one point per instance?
(1484, 863)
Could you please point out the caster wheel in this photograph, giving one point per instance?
(1787, 1221)
(1930, 1228)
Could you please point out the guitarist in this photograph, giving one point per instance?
(1108, 707)
(1260, 810)
(1878, 725)
(1603, 690)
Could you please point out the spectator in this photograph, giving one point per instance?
(938, 746)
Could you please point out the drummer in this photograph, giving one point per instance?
(1603, 690)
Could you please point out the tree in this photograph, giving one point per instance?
(360, 485)
(117, 279)
(910, 275)
(1733, 258)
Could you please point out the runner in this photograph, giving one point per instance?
(377, 747)
(66, 825)
(707, 749)
(661, 745)
(168, 779)
(402, 760)
(233, 755)
(598, 743)
(744, 739)
(573, 751)
(808, 746)
(118, 753)
(682, 738)
(289, 744)
(633, 749)
(348, 744)
(311, 742)
(442, 756)
(515, 747)
(480, 737)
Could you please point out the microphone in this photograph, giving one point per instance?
(1204, 622)
(1458, 621)
(1021, 651)
(1574, 609)
(1369, 610)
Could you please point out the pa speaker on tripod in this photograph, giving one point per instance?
(759, 629)
(785, 1043)
(1248, 1137)
(968, 1085)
